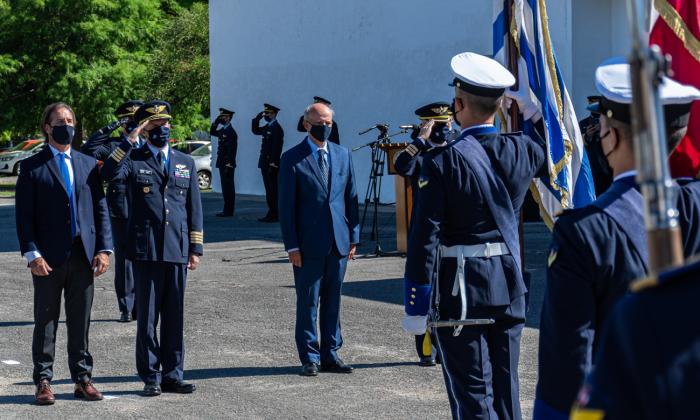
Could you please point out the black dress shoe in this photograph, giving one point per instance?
(125, 317)
(309, 369)
(336, 367)
(264, 219)
(222, 214)
(180, 387)
(272, 220)
(426, 361)
(151, 390)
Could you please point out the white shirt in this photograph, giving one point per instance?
(633, 172)
(476, 126)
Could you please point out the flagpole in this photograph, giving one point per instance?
(514, 110)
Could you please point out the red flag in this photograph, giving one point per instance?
(677, 32)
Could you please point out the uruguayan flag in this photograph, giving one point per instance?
(542, 97)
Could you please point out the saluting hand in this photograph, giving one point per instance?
(39, 267)
(193, 262)
(425, 129)
(134, 135)
(100, 264)
(295, 258)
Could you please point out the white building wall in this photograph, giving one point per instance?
(377, 60)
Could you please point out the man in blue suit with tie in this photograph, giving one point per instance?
(319, 221)
(64, 233)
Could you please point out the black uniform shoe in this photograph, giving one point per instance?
(272, 220)
(125, 317)
(309, 369)
(151, 390)
(426, 361)
(222, 214)
(336, 367)
(180, 387)
(264, 219)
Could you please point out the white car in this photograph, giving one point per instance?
(9, 160)
(202, 163)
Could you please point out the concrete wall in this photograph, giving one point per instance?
(376, 60)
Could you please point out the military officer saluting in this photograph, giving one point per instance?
(334, 137)
(226, 158)
(165, 240)
(434, 130)
(270, 154)
(470, 194)
(100, 145)
(599, 249)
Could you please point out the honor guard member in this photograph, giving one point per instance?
(470, 195)
(435, 128)
(100, 145)
(599, 249)
(648, 362)
(265, 124)
(165, 240)
(334, 137)
(226, 158)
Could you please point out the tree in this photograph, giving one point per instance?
(179, 69)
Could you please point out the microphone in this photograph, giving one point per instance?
(409, 127)
(380, 126)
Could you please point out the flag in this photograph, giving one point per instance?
(543, 102)
(676, 29)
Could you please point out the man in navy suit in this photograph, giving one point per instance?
(64, 233)
(319, 221)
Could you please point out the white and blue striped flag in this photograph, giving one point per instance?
(542, 96)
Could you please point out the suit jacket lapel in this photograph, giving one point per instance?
(53, 167)
(79, 175)
(334, 166)
(314, 166)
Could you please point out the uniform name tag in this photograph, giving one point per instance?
(145, 172)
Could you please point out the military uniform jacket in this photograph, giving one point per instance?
(228, 145)
(165, 223)
(648, 363)
(596, 252)
(272, 141)
(100, 145)
(689, 215)
(453, 210)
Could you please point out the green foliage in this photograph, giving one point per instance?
(95, 54)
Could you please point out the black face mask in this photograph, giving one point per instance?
(159, 136)
(63, 134)
(320, 132)
(131, 126)
(454, 113)
(438, 134)
(267, 118)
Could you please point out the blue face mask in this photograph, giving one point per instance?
(320, 132)
(159, 136)
(63, 134)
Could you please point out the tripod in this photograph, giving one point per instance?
(374, 187)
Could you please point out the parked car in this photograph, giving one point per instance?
(10, 159)
(202, 163)
(189, 146)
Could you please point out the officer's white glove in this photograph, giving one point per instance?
(415, 324)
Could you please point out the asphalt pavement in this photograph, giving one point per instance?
(239, 335)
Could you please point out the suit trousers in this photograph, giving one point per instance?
(480, 365)
(160, 295)
(123, 275)
(74, 278)
(228, 188)
(269, 176)
(319, 282)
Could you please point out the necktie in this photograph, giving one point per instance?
(69, 189)
(323, 165)
(163, 161)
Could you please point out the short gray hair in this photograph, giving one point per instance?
(309, 109)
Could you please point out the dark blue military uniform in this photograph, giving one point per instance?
(165, 226)
(269, 161)
(226, 162)
(470, 194)
(100, 145)
(689, 215)
(596, 252)
(648, 362)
